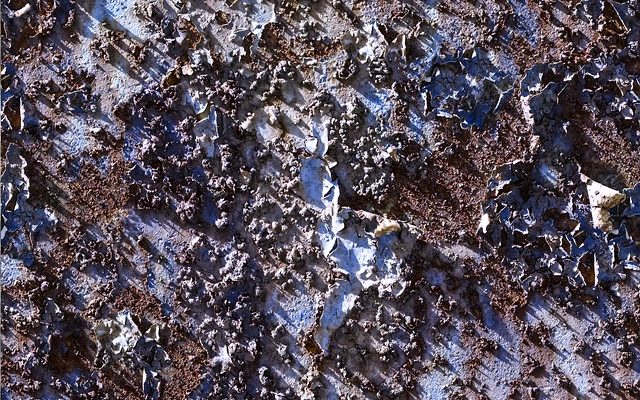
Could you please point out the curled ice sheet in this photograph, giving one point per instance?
(370, 42)
(368, 258)
(337, 305)
(13, 113)
(197, 100)
(265, 123)
(601, 195)
(580, 242)
(118, 335)
(634, 201)
(319, 189)
(467, 86)
(601, 199)
(539, 90)
(18, 216)
(153, 333)
(485, 220)
(206, 131)
(319, 143)
(259, 15)
(150, 383)
(15, 189)
(386, 226)
(122, 337)
(223, 358)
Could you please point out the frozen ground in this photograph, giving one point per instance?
(320, 199)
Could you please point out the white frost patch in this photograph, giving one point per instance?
(123, 12)
(119, 335)
(349, 239)
(75, 140)
(338, 303)
(265, 123)
(366, 247)
(296, 313)
(319, 189)
(11, 270)
(206, 132)
(319, 143)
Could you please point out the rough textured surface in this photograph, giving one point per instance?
(320, 199)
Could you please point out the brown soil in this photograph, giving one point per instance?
(186, 354)
(445, 203)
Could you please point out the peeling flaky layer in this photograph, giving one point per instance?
(369, 250)
(121, 336)
(582, 240)
(17, 212)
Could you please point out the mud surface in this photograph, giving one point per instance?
(320, 199)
